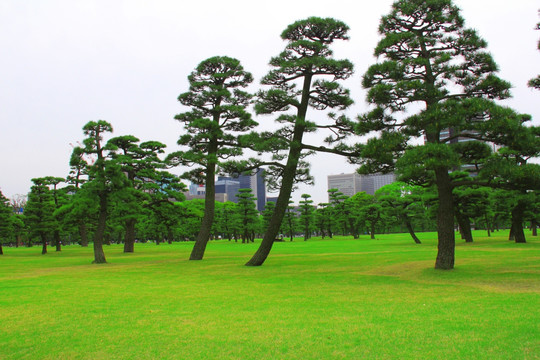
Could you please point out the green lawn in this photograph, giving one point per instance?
(321, 299)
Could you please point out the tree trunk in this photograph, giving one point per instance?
(44, 245)
(534, 228)
(488, 225)
(169, 236)
(445, 222)
(1, 249)
(411, 230)
(129, 241)
(517, 222)
(279, 211)
(287, 180)
(511, 236)
(57, 240)
(197, 252)
(84, 234)
(464, 227)
(99, 254)
(354, 231)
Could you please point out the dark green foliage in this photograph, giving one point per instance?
(248, 216)
(164, 193)
(226, 223)
(307, 215)
(39, 212)
(6, 228)
(267, 213)
(139, 163)
(404, 202)
(323, 219)
(338, 212)
(290, 222)
(105, 178)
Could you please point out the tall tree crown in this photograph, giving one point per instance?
(429, 56)
(217, 113)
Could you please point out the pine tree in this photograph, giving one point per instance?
(217, 117)
(304, 76)
(431, 61)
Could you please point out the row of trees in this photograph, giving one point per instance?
(428, 61)
(396, 207)
(434, 80)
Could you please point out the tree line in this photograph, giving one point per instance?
(433, 80)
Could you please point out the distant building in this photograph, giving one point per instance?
(350, 184)
(228, 187)
(254, 182)
(272, 199)
(197, 189)
(218, 197)
(373, 182)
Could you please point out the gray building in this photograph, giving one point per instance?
(228, 187)
(254, 182)
(350, 184)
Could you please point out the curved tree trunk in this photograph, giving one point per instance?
(287, 181)
(279, 211)
(445, 222)
(197, 252)
(411, 230)
(282, 202)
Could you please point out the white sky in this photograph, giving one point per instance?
(66, 62)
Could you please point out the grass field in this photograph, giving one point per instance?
(321, 299)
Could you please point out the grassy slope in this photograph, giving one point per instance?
(329, 299)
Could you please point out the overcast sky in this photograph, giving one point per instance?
(66, 62)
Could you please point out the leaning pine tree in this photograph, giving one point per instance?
(304, 76)
(431, 63)
(217, 116)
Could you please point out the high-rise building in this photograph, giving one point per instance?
(229, 187)
(350, 184)
(254, 182)
(373, 182)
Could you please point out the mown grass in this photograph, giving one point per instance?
(321, 299)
